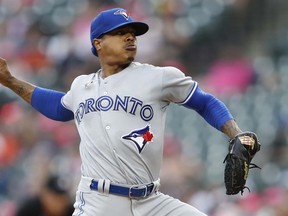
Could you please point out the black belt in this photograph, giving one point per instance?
(131, 192)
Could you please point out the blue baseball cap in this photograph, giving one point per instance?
(109, 20)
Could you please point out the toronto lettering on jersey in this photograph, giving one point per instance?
(127, 104)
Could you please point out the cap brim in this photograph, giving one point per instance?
(140, 27)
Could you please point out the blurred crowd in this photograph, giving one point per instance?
(235, 49)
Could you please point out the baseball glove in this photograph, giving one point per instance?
(242, 148)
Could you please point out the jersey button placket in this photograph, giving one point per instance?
(105, 87)
(105, 92)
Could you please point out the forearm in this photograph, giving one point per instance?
(21, 88)
(213, 111)
(230, 128)
(48, 102)
(210, 108)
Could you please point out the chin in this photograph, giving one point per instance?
(131, 58)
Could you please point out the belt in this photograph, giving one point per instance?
(141, 191)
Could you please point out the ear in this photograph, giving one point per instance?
(97, 44)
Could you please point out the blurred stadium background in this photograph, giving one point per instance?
(236, 49)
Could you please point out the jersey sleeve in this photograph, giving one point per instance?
(67, 100)
(48, 102)
(176, 87)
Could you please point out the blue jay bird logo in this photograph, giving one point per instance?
(140, 137)
(123, 13)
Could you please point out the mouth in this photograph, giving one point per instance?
(131, 47)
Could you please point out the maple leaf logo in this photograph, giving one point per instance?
(147, 136)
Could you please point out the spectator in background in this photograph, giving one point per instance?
(53, 200)
(281, 209)
(185, 170)
(230, 74)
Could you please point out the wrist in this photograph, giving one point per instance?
(231, 129)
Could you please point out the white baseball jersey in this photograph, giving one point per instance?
(121, 120)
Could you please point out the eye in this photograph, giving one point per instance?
(133, 33)
(120, 32)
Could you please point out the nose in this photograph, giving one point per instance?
(130, 37)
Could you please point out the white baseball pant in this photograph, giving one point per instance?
(95, 203)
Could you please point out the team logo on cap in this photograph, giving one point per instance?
(122, 13)
(140, 137)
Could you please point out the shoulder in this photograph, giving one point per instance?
(138, 65)
(171, 73)
(163, 69)
(83, 80)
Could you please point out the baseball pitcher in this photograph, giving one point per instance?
(120, 113)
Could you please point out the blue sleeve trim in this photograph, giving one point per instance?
(190, 93)
(210, 108)
(48, 102)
